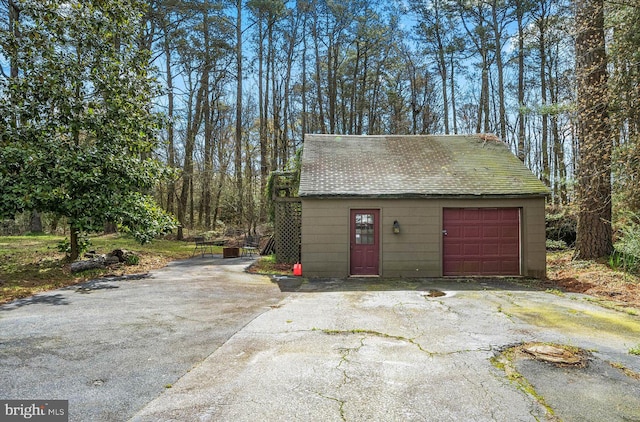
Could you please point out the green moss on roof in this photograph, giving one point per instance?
(413, 166)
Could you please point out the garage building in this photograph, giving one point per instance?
(419, 206)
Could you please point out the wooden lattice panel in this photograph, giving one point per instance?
(287, 231)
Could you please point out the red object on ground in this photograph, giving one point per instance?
(297, 269)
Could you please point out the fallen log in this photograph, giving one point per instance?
(91, 264)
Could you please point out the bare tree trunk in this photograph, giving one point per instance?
(521, 122)
(413, 80)
(171, 149)
(501, 101)
(193, 125)
(453, 92)
(482, 125)
(332, 81)
(73, 240)
(442, 70)
(110, 227)
(542, 49)
(292, 38)
(208, 131)
(303, 94)
(560, 170)
(238, 135)
(223, 162)
(594, 234)
(249, 186)
(35, 222)
(268, 132)
(208, 165)
(374, 121)
(318, 73)
(354, 91)
(478, 35)
(362, 95)
(483, 107)
(275, 99)
(192, 207)
(560, 187)
(264, 161)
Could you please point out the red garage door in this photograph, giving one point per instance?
(481, 241)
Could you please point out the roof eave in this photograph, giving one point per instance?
(423, 196)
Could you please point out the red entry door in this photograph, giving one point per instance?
(481, 241)
(365, 242)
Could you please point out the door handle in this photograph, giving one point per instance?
(444, 233)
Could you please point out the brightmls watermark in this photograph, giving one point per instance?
(34, 410)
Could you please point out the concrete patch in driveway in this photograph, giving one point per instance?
(352, 356)
(596, 392)
(353, 350)
(573, 384)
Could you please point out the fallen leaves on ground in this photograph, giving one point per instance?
(593, 278)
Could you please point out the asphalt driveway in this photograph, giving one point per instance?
(110, 347)
(203, 341)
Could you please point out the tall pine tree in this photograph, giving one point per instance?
(594, 233)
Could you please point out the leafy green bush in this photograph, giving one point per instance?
(627, 249)
(625, 262)
(132, 259)
(615, 260)
(556, 245)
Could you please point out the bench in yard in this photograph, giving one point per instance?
(202, 245)
(250, 245)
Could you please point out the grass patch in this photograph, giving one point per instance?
(505, 361)
(628, 372)
(556, 292)
(268, 265)
(614, 306)
(32, 264)
(556, 245)
(635, 350)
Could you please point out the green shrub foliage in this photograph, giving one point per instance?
(76, 122)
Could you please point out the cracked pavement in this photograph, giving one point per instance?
(361, 350)
(235, 347)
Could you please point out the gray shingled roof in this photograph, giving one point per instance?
(413, 166)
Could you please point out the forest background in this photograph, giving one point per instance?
(219, 95)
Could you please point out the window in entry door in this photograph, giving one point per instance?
(364, 229)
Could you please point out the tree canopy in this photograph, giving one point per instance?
(243, 81)
(77, 123)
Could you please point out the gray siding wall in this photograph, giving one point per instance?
(417, 250)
